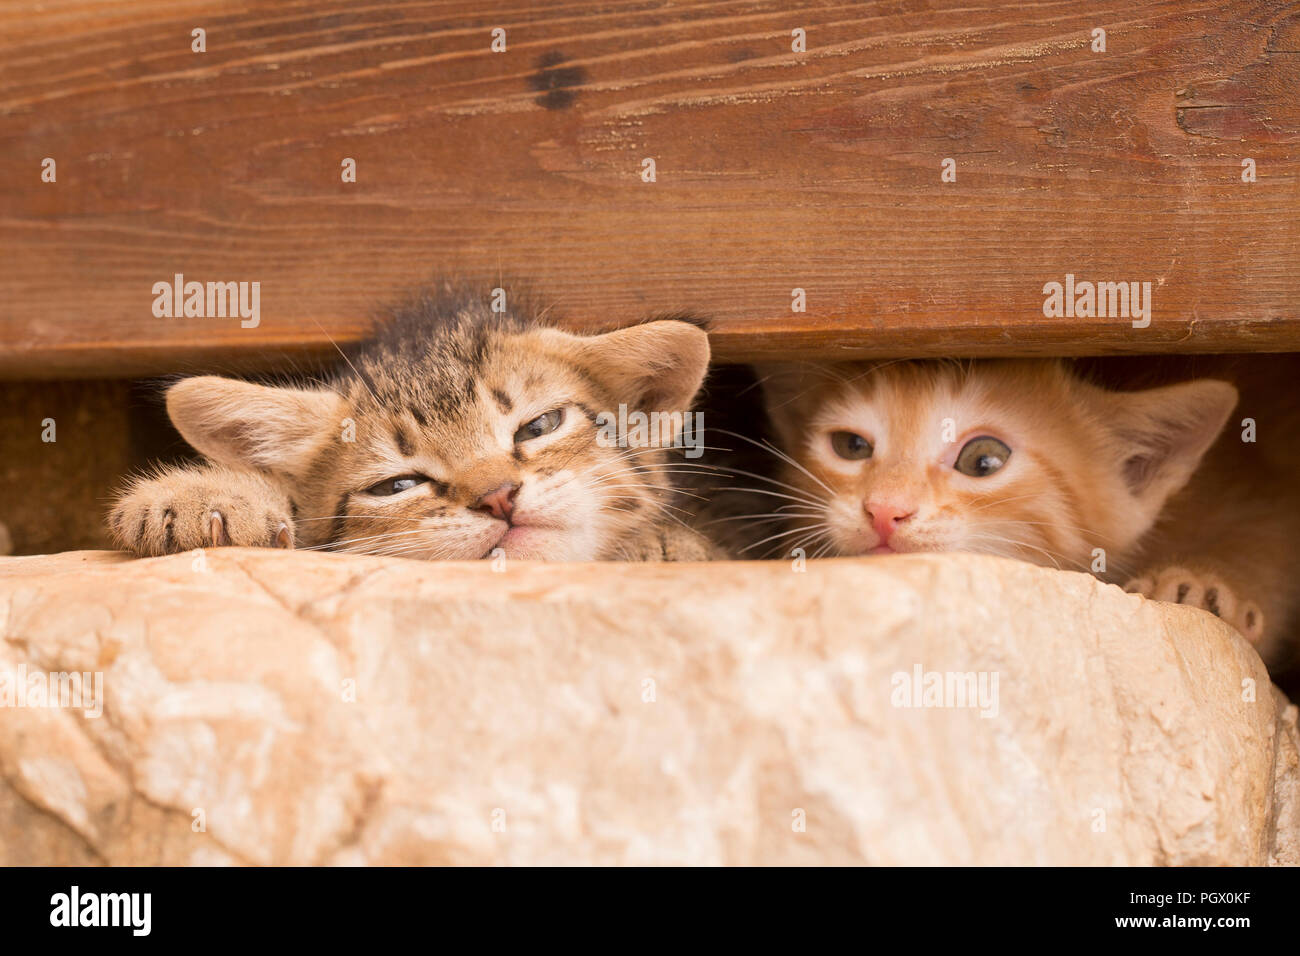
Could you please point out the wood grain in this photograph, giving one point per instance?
(775, 170)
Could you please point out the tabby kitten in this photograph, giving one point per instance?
(1023, 458)
(456, 432)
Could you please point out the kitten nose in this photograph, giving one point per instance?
(886, 518)
(501, 502)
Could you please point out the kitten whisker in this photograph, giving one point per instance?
(768, 446)
(767, 516)
(1002, 501)
(775, 494)
(1054, 556)
(773, 481)
(1056, 524)
(803, 543)
(781, 534)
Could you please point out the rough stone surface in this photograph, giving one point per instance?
(289, 708)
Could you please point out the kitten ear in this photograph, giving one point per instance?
(1163, 433)
(659, 365)
(782, 381)
(254, 426)
(778, 382)
(788, 388)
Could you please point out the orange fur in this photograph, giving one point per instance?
(1100, 481)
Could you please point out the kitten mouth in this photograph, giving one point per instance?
(882, 549)
(519, 533)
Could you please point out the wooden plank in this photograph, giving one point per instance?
(776, 170)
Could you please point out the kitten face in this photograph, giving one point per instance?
(504, 458)
(452, 442)
(1015, 458)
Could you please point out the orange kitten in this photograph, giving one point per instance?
(1025, 459)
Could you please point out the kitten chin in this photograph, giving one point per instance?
(456, 433)
(1028, 459)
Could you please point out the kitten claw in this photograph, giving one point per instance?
(180, 510)
(217, 530)
(1252, 622)
(1205, 591)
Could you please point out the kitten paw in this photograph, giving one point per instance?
(671, 543)
(1206, 591)
(681, 544)
(184, 509)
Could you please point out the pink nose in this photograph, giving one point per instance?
(500, 503)
(886, 518)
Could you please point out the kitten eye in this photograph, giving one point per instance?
(543, 424)
(395, 486)
(850, 445)
(982, 456)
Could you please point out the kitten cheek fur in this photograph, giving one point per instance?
(438, 394)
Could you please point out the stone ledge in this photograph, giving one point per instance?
(521, 697)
